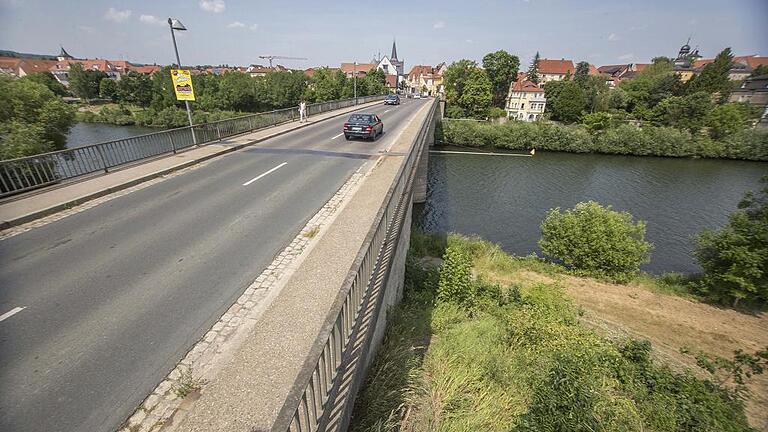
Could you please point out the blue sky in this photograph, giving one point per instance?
(329, 32)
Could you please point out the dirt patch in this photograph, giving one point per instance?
(670, 323)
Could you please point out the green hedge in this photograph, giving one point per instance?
(750, 144)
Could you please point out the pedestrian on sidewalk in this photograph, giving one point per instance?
(302, 111)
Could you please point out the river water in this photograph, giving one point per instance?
(83, 134)
(504, 199)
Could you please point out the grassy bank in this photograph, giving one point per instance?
(490, 342)
(749, 144)
(166, 118)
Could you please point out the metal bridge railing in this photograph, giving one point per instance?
(24, 174)
(314, 393)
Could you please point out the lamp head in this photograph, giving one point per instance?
(176, 24)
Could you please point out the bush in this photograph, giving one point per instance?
(735, 258)
(624, 139)
(596, 240)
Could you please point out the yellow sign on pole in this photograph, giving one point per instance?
(182, 85)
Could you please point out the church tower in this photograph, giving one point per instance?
(397, 63)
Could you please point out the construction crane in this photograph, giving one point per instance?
(273, 57)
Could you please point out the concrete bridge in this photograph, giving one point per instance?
(238, 286)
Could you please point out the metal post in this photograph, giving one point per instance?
(186, 103)
(354, 72)
(173, 145)
(101, 156)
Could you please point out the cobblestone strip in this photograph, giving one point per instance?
(174, 396)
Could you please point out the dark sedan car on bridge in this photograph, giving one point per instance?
(392, 100)
(363, 125)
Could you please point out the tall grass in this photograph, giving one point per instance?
(514, 358)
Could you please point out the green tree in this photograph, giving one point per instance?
(683, 112)
(714, 77)
(596, 240)
(284, 89)
(84, 83)
(108, 89)
(595, 91)
(455, 78)
(533, 70)
(374, 83)
(47, 79)
(325, 85)
(655, 83)
(32, 119)
(618, 99)
(582, 72)
(135, 88)
(735, 258)
(727, 119)
(477, 96)
(759, 70)
(502, 68)
(569, 102)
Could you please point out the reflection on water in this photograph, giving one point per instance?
(504, 199)
(83, 134)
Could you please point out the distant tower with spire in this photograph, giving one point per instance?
(64, 55)
(396, 62)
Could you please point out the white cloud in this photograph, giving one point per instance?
(151, 19)
(469, 41)
(85, 29)
(628, 56)
(693, 21)
(439, 25)
(254, 27)
(613, 37)
(215, 6)
(117, 15)
(236, 24)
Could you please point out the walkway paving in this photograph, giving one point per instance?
(49, 201)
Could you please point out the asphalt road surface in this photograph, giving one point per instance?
(114, 296)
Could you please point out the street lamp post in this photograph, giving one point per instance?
(177, 25)
(354, 69)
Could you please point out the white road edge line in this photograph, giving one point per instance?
(386, 111)
(11, 313)
(266, 173)
(338, 135)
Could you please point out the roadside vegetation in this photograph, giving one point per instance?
(150, 101)
(654, 114)
(35, 119)
(474, 346)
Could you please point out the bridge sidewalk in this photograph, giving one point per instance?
(48, 201)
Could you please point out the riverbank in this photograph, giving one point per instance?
(747, 144)
(131, 115)
(487, 341)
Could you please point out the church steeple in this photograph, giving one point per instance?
(64, 55)
(394, 51)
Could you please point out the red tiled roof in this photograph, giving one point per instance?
(420, 70)
(556, 67)
(526, 86)
(391, 81)
(640, 66)
(361, 67)
(752, 61)
(147, 69)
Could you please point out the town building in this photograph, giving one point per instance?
(257, 70)
(555, 70)
(615, 74)
(742, 68)
(525, 100)
(425, 78)
(359, 69)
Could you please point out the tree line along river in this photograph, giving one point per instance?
(504, 199)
